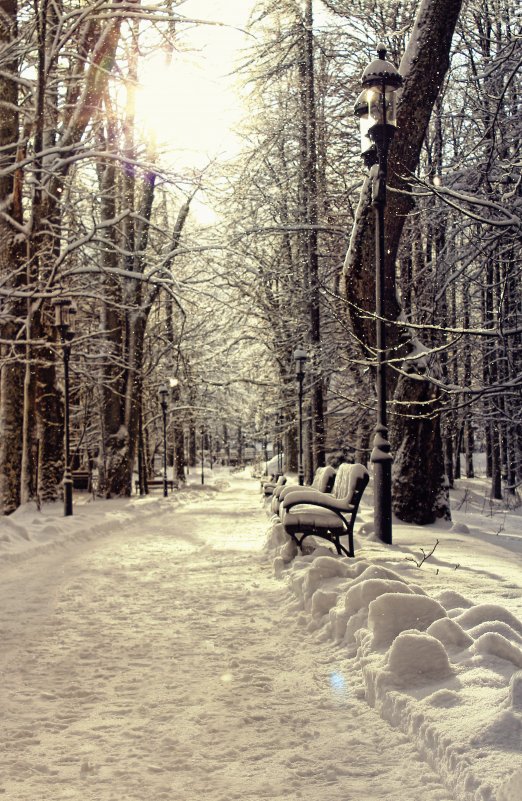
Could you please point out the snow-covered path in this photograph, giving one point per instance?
(161, 663)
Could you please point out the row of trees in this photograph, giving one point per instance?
(90, 209)
(453, 232)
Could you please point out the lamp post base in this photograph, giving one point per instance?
(382, 514)
(381, 459)
(67, 493)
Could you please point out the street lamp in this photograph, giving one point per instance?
(376, 109)
(202, 454)
(186, 445)
(162, 395)
(279, 435)
(64, 311)
(300, 357)
(178, 438)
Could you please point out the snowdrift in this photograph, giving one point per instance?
(445, 671)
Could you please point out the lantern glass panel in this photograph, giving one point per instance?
(162, 393)
(375, 107)
(64, 312)
(300, 356)
(364, 126)
(70, 316)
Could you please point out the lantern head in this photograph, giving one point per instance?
(300, 356)
(377, 104)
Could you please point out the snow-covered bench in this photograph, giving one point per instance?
(82, 479)
(272, 482)
(307, 512)
(158, 482)
(324, 478)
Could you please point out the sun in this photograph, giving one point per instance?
(188, 103)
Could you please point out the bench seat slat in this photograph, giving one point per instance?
(314, 498)
(172, 484)
(313, 519)
(323, 481)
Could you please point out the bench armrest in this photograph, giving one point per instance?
(287, 489)
(316, 498)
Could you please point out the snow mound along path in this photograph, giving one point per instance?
(445, 671)
(28, 531)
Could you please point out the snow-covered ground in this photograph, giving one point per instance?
(438, 641)
(162, 649)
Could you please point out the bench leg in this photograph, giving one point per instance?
(299, 542)
(341, 549)
(334, 539)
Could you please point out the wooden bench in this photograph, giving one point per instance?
(324, 478)
(82, 479)
(307, 512)
(269, 485)
(158, 482)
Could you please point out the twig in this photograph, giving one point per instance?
(424, 556)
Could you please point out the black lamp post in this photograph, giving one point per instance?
(163, 393)
(376, 109)
(279, 434)
(300, 357)
(178, 438)
(64, 311)
(202, 454)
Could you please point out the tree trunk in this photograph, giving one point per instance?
(11, 392)
(291, 448)
(417, 443)
(12, 274)
(309, 178)
(111, 463)
(179, 453)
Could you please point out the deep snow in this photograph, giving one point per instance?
(162, 649)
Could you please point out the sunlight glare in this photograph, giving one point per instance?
(187, 100)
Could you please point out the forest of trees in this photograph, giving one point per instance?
(93, 211)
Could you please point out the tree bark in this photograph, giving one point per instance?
(417, 443)
(12, 274)
(309, 178)
(40, 429)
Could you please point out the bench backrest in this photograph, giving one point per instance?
(272, 488)
(350, 482)
(324, 479)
